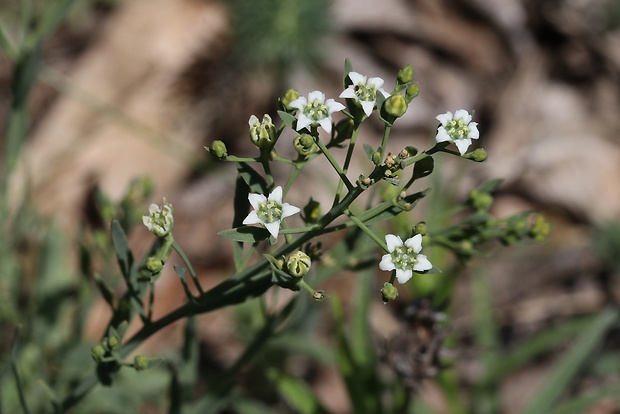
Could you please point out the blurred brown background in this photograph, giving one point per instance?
(138, 87)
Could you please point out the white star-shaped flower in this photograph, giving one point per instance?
(364, 90)
(269, 211)
(458, 129)
(405, 257)
(160, 220)
(315, 110)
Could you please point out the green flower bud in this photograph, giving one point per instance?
(298, 264)
(218, 148)
(420, 228)
(304, 145)
(395, 105)
(477, 155)
(112, 342)
(140, 363)
(376, 158)
(154, 264)
(344, 129)
(320, 295)
(540, 229)
(312, 211)
(388, 292)
(466, 247)
(262, 134)
(289, 96)
(480, 201)
(405, 75)
(98, 352)
(412, 91)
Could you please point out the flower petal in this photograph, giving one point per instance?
(256, 200)
(442, 135)
(299, 103)
(367, 106)
(385, 94)
(415, 243)
(303, 121)
(288, 210)
(146, 220)
(333, 106)
(253, 121)
(386, 262)
(403, 275)
(462, 145)
(326, 123)
(463, 115)
(423, 264)
(252, 218)
(273, 228)
(316, 96)
(392, 242)
(357, 78)
(348, 93)
(153, 208)
(473, 130)
(276, 195)
(376, 82)
(444, 118)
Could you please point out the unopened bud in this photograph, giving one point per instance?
(112, 342)
(312, 211)
(304, 145)
(154, 264)
(540, 229)
(388, 292)
(298, 264)
(289, 96)
(262, 134)
(412, 91)
(140, 363)
(405, 75)
(344, 129)
(97, 352)
(395, 105)
(420, 228)
(477, 155)
(218, 148)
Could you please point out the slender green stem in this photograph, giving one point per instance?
(331, 159)
(149, 315)
(347, 161)
(384, 140)
(234, 158)
(366, 230)
(192, 273)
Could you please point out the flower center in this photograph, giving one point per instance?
(316, 110)
(457, 129)
(404, 258)
(269, 212)
(365, 93)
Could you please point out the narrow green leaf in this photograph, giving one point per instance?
(423, 168)
(183, 276)
(348, 68)
(490, 185)
(296, 393)
(369, 151)
(253, 179)
(123, 254)
(52, 18)
(6, 44)
(288, 119)
(245, 234)
(582, 403)
(535, 347)
(565, 372)
(486, 336)
(105, 291)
